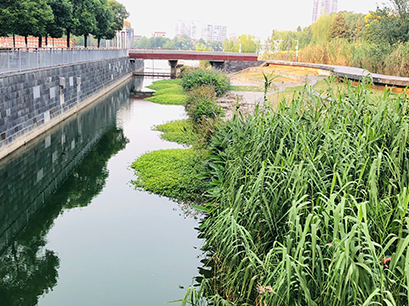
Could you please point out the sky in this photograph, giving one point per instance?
(256, 17)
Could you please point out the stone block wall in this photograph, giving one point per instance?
(236, 66)
(31, 99)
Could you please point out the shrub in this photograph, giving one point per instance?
(203, 111)
(194, 78)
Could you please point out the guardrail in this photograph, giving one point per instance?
(19, 60)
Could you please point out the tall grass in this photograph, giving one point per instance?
(309, 204)
(376, 58)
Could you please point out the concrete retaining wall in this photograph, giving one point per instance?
(33, 101)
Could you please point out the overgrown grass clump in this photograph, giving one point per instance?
(179, 131)
(168, 91)
(310, 203)
(172, 173)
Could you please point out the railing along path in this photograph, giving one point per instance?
(19, 60)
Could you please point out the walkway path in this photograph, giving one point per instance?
(351, 73)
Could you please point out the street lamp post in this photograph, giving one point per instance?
(296, 51)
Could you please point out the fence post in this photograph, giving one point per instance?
(37, 58)
(8, 60)
(19, 59)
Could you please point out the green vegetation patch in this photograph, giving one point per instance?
(170, 99)
(179, 131)
(174, 90)
(172, 173)
(194, 78)
(168, 91)
(165, 83)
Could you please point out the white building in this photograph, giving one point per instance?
(323, 7)
(197, 30)
(124, 38)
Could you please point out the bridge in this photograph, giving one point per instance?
(216, 59)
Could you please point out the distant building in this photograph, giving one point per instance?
(32, 42)
(191, 28)
(215, 32)
(124, 38)
(323, 7)
(197, 30)
(233, 36)
(159, 34)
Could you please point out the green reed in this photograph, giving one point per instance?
(309, 204)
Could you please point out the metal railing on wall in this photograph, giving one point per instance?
(19, 60)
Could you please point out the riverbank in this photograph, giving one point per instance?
(308, 193)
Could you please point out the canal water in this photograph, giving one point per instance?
(74, 231)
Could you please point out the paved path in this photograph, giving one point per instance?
(356, 74)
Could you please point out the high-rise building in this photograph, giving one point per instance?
(323, 7)
(197, 30)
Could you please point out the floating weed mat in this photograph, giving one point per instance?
(172, 173)
(179, 131)
(168, 91)
(310, 203)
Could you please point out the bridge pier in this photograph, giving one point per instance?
(219, 65)
(175, 68)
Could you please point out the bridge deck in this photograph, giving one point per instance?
(191, 55)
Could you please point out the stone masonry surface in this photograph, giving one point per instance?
(30, 99)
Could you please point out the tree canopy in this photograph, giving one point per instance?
(40, 18)
(339, 27)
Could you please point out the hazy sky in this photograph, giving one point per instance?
(257, 17)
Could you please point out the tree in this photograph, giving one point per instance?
(400, 7)
(33, 17)
(8, 18)
(119, 15)
(230, 45)
(62, 11)
(357, 33)
(144, 43)
(249, 43)
(383, 26)
(339, 28)
(104, 17)
(180, 42)
(84, 17)
(321, 29)
(351, 20)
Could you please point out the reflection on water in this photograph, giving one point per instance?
(74, 232)
(27, 268)
(32, 174)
